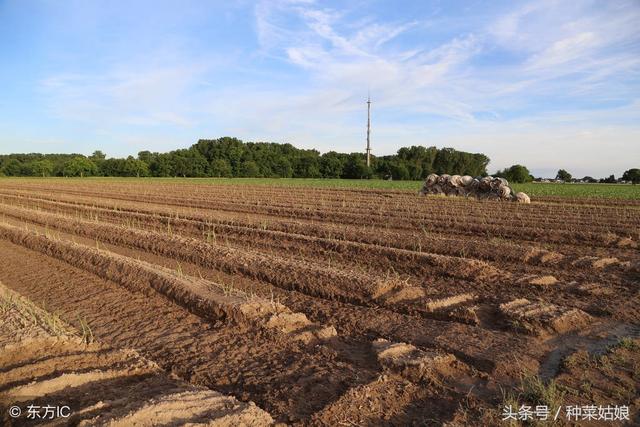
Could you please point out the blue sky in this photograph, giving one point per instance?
(547, 84)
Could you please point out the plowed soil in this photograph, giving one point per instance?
(45, 363)
(326, 307)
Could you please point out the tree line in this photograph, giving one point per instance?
(231, 157)
(520, 174)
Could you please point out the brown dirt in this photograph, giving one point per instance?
(101, 385)
(612, 375)
(280, 297)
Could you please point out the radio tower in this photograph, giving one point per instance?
(368, 130)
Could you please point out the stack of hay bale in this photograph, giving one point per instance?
(486, 187)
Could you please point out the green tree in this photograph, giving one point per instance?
(41, 168)
(282, 168)
(111, 167)
(356, 167)
(632, 175)
(331, 165)
(221, 168)
(214, 157)
(563, 175)
(226, 148)
(12, 167)
(249, 169)
(399, 171)
(415, 171)
(162, 165)
(189, 162)
(516, 173)
(307, 165)
(146, 156)
(445, 161)
(412, 159)
(97, 156)
(80, 166)
(135, 167)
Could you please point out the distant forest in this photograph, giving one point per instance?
(231, 157)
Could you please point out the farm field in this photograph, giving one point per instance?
(338, 306)
(582, 191)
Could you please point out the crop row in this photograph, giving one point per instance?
(373, 248)
(416, 208)
(203, 298)
(321, 194)
(453, 225)
(381, 203)
(307, 277)
(396, 294)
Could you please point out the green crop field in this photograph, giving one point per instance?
(609, 191)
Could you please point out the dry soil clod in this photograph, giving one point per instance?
(539, 316)
(411, 362)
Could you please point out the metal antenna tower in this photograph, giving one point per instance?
(368, 130)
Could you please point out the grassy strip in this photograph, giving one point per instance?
(600, 191)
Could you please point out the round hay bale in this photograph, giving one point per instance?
(443, 179)
(455, 181)
(522, 198)
(485, 183)
(496, 183)
(431, 179)
(473, 185)
(466, 180)
(504, 192)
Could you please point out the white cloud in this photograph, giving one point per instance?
(543, 75)
(147, 95)
(565, 50)
(570, 51)
(571, 38)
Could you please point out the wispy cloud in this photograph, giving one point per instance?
(353, 59)
(504, 80)
(126, 93)
(550, 42)
(550, 62)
